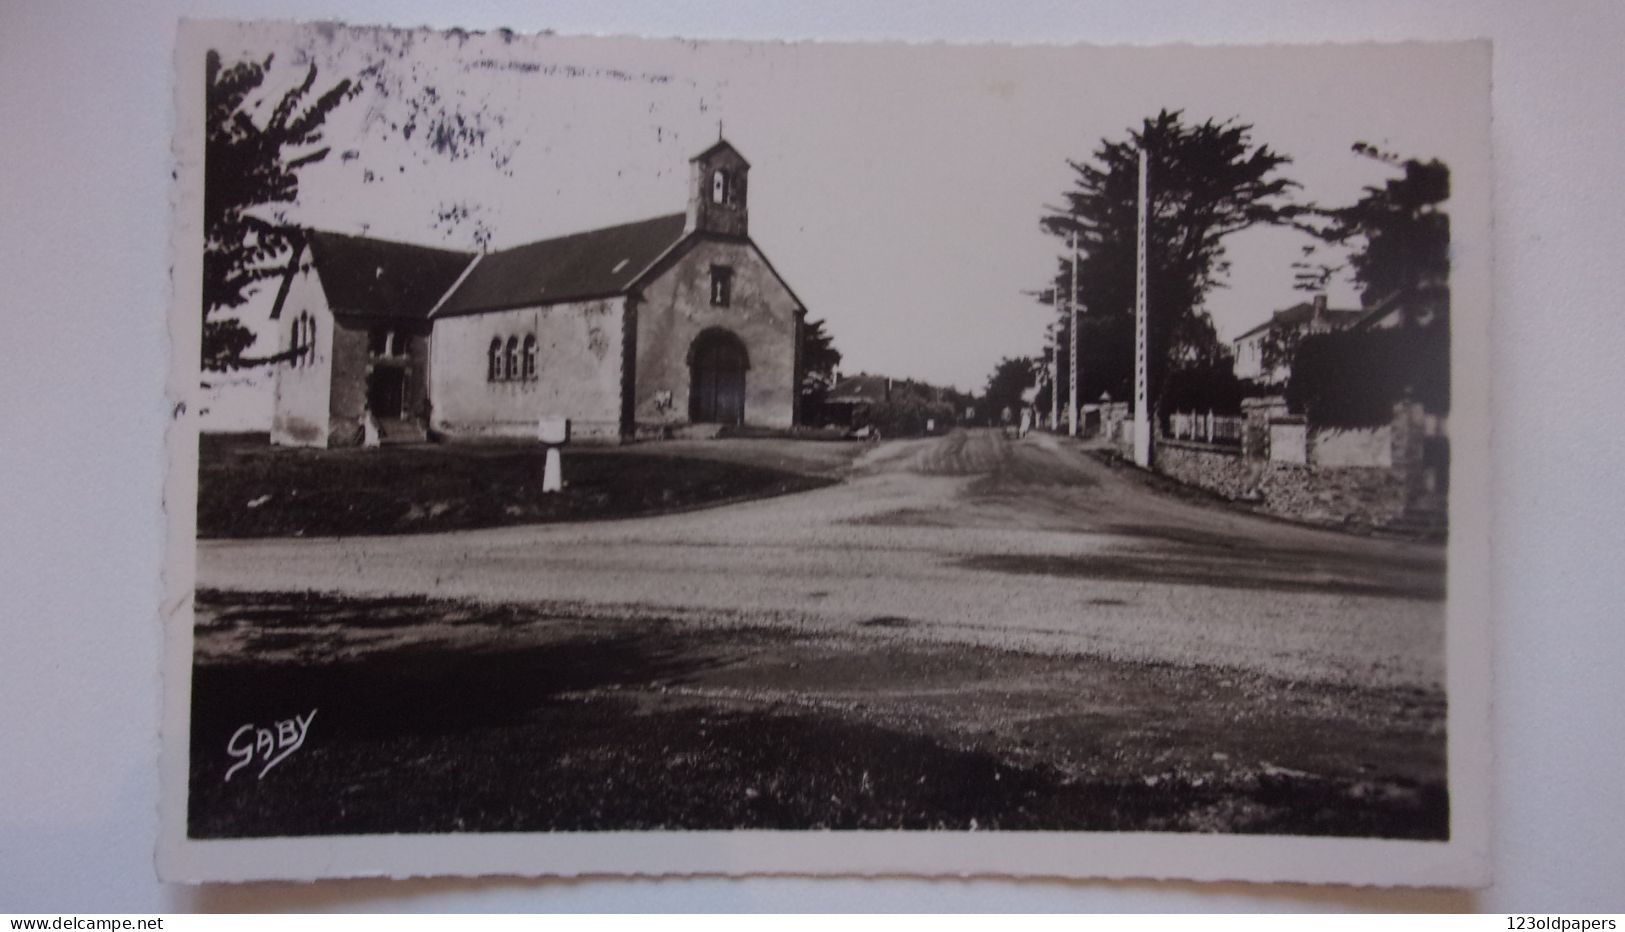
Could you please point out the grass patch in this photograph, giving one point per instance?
(246, 488)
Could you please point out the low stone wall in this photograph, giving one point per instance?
(1367, 496)
(1217, 469)
(1359, 495)
(1369, 446)
(1289, 441)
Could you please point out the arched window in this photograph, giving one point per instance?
(493, 360)
(530, 357)
(302, 340)
(511, 362)
(722, 278)
(719, 187)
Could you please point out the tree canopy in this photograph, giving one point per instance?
(1206, 182)
(1010, 378)
(1404, 254)
(912, 407)
(819, 358)
(253, 163)
(1400, 237)
(250, 177)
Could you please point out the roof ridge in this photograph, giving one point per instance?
(721, 143)
(452, 289)
(594, 230)
(587, 264)
(313, 231)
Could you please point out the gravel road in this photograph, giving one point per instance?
(971, 539)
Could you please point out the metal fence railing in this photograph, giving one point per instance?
(1206, 428)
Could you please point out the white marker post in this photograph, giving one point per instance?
(1142, 416)
(555, 432)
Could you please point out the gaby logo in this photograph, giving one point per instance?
(272, 745)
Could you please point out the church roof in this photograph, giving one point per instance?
(381, 278)
(720, 144)
(594, 264)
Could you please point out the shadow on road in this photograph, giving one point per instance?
(439, 716)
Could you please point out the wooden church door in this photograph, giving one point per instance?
(717, 379)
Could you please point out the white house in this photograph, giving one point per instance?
(1287, 325)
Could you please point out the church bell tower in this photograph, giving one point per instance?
(716, 191)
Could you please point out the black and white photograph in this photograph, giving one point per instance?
(615, 455)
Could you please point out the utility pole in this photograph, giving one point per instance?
(1055, 383)
(1142, 415)
(1072, 331)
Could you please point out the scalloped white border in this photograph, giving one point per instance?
(1463, 861)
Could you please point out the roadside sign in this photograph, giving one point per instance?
(553, 430)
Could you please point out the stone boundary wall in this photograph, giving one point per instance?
(1358, 496)
(1367, 446)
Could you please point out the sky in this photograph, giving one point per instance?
(896, 187)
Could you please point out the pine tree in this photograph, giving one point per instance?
(1207, 181)
(250, 178)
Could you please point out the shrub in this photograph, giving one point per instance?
(1353, 378)
(1204, 388)
(906, 415)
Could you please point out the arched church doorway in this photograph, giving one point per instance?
(717, 364)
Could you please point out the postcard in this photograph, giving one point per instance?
(646, 456)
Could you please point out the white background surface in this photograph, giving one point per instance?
(84, 220)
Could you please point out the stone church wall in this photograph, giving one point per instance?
(578, 372)
(299, 410)
(353, 364)
(677, 308)
(349, 392)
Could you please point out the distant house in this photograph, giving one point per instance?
(674, 320)
(1287, 326)
(1386, 314)
(850, 398)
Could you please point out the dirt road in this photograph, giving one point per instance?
(968, 539)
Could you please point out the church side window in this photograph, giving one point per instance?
(722, 279)
(529, 358)
(493, 360)
(510, 367)
(302, 340)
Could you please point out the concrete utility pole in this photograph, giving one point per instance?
(1142, 416)
(1055, 384)
(1072, 331)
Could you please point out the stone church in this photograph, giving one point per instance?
(630, 330)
